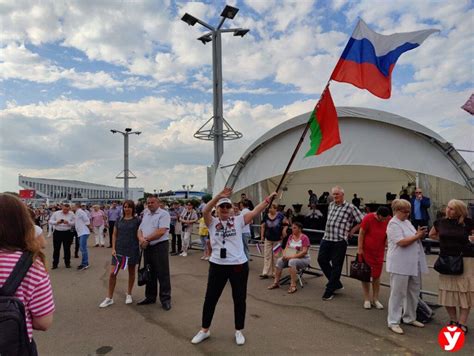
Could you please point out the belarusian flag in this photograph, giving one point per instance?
(324, 125)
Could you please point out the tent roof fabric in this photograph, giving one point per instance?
(362, 130)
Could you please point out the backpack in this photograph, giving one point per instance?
(14, 338)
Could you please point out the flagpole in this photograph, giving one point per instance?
(298, 146)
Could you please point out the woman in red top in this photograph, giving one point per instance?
(371, 247)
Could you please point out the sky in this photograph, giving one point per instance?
(70, 71)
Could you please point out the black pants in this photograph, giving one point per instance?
(331, 259)
(111, 231)
(157, 257)
(63, 238)
(175, 239)
(76, 243)
(217, 279)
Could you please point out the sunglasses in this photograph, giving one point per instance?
(225, 206)
(418, 192)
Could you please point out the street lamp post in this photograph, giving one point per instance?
(187, 188)
(218, 133)
(126, 171)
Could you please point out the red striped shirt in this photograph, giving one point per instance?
(35, 290)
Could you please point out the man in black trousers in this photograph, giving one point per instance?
(153, 236)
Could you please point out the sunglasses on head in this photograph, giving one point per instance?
(225, 206)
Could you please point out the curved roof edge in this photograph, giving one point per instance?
(364, 113)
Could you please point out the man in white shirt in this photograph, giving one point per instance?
(62, 221)
(153, 237)
(82, 225)
(246, 231)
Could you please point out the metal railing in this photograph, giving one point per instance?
(316, 248)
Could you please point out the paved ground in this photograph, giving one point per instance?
(277, 323)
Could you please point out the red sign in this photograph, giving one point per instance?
(27, 193)
(451, 338)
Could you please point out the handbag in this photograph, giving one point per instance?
(144, 273)
(451, 265)
(360, 270)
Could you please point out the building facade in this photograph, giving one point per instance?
(73, 190)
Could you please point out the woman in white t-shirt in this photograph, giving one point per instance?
(227, 262)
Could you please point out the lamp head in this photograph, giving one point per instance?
(229, 12)
(113, 131)
(241, 32)
(189, 19)
(138, 132)
(205, 38)
(128, 129)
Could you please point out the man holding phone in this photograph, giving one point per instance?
(62, 220)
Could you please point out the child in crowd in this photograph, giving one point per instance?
(204, 236)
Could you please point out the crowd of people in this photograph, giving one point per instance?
(224, 229)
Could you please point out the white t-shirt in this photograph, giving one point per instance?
(229, 231)
(38, 231)
(246, 229)
(81, 223)
(157, 220)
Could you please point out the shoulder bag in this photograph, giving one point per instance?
(360, 270)
(451, 265)
(144, 273)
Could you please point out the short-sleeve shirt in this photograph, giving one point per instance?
(407, 260)
(298, 245)
(157, 220)
(227, 234)
(81, 223)
(246, 229)
(274, 227)
(454, 237)
(375, 235)
(35, 290)
(98, 218)
(341, 219)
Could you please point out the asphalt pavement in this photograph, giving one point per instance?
(277, 323)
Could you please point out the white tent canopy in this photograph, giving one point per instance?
(379, 153)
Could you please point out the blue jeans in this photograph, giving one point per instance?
(83, 246)
(245, 239)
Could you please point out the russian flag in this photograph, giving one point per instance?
(369, 58)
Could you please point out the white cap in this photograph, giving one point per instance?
(224, 201)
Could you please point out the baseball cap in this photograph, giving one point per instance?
(224, 201)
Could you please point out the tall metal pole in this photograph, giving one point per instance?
(125, 166)
(218, 101)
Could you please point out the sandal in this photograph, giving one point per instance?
(463, 328)
(274, 286)
(292, 289)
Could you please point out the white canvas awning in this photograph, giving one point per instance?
(370, 138)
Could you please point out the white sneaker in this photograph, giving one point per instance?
(239, 337)
(378, 305)
(367, 304)
(200, 336)
(184, 254)
(203, 257)
(128, 299)
(107, 302)
(206, 258)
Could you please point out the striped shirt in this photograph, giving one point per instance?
(341, 219)
(35, 290)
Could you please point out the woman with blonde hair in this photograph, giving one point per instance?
(18, 243)
(405, 262)
(455, 235)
